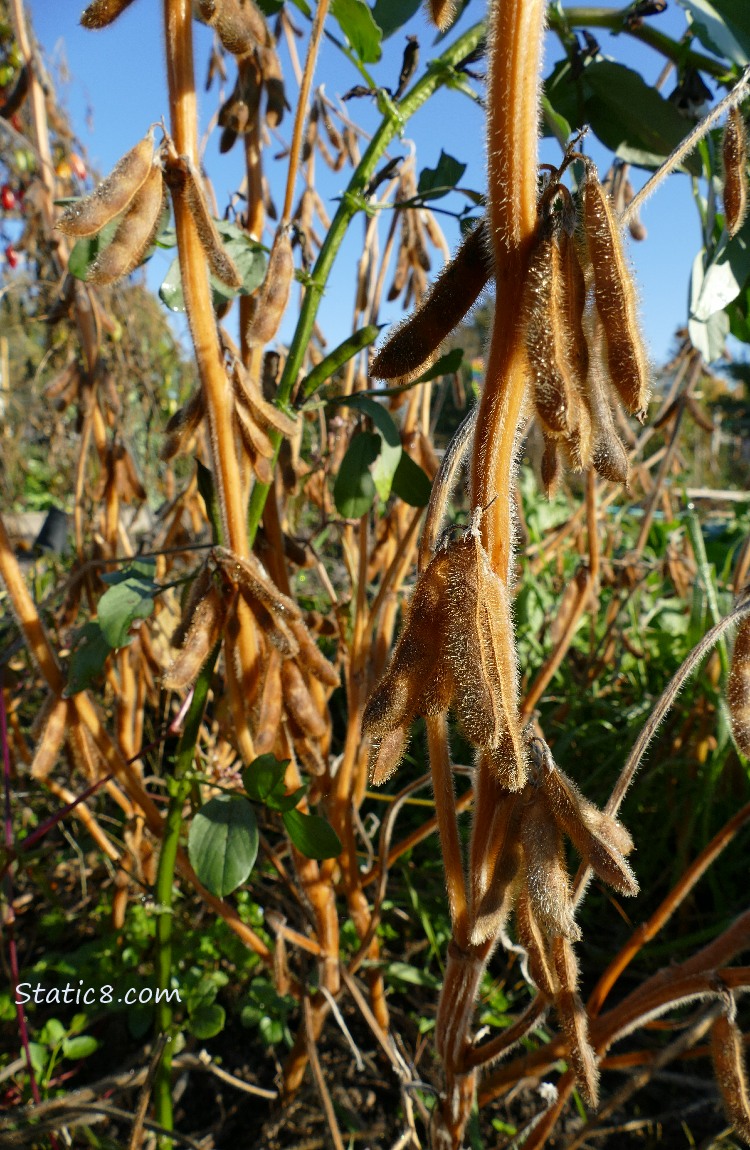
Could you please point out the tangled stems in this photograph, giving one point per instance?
(439, 72)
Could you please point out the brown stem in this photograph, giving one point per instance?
(299, 119)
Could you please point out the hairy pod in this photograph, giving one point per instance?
(734, 155)
(273, 609)
(196, 591)
(615, 297)
(83, 749)
(496, 877)
(88, 216)
(268, 305)
(256, 440)
(273, 83)
(442, 13)
(597, 837)
(239, 24)
(550, 465)
(738, 687)
(203, 633)
(299, 702)
(311, 657)
(221, 264)
(727, 1052)
(183, 425)
(480, 648)
(607, 453)
(103, 12)
(266, 415)
(406, 353)
(546, 336)
(271, 701)
(134, 234)
(574, 1021)
(540, 965)
(546, 875)
(53, 720)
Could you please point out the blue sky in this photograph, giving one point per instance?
(116, 87)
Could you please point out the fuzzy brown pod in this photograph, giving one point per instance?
(546, 874)
(272, 609)
(268, 305)
(615, 297)
(183, 425)
(442, 13)
(496, 878)
(408, 350)
(546, 337)
(738, 687)
(88, 216)
(601, 840)
(219, 260)
(299, 702)
(103, 12)
(268, 723)
(273, 83)
(266, 415)
(480, 649)
(734, 156)
(728, 1055)
(574, 1021)
(608, 456)
(52, 722)
(202, 631)
(134, 234)
(541, 968)
(418, 680)
(239, 24)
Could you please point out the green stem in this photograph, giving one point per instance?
(439, 72)
(615, 21)
(704, 569)
(179, 789)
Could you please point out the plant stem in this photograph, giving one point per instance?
(302, 99)
(179, 789)
(439, 72)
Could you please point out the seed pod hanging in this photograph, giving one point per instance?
(103, 12)
(734, 154)
(135, 233)
(88, 216)
(738, 687)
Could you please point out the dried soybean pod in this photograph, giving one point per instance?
(608, 456)
(574, 1021)
(572, 297)
(406, 352)
(596, 837)
(532, 940)
(182, 425)
(269, 715)
(544, 337)
(203, 633)
(615, 296)
(734, 154)
(311, 657)
(442, 13)
(134, 234)
(550, 464)
(546, 877)
(103, 12)
(239, 24)
(265, 414)
(112, 196)
(219, 260)
(738, 687)
(276, 101)
(727, 1052)
(255, 438)
(53, 719)
(269, 304)
(299, 702)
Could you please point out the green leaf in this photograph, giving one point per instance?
(207, 1020)
(264, 776)
(722, 26)
(223, 843)
(207, 492)
(725, 276)
(437, 182)
(404, 972)
(390, 451)
(85, 251)
(631, 117)
(53, 1032)
(284, 802)
(270, 7)
(170, 292)
(411, 483)
(87, 660)
(38, 1056)
(250, 260)
(708, 335)
(130, 599)
(354, 489)
(340, 355)
(391, 15)
(79, 1047)
(355, 21)
(313, 836)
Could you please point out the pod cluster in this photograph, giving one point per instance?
(584, 351)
